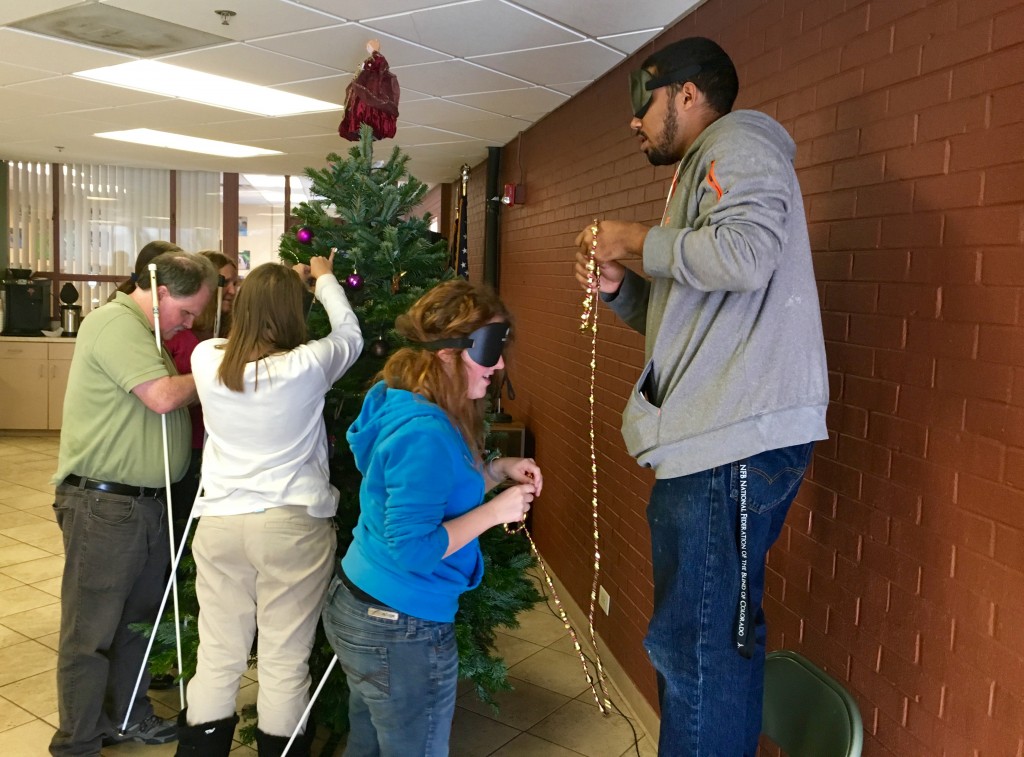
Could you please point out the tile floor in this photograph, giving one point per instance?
(551, 713)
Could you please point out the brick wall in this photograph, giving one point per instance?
(899, 569)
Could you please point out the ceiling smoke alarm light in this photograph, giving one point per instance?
(225, 16)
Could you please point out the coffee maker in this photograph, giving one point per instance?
(26, 303)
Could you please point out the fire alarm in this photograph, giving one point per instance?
(515, 194)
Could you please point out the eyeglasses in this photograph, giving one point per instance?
(643, 82)
(483, 345)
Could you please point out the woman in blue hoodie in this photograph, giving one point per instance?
(418, 443)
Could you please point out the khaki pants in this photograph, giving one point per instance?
(269, 571)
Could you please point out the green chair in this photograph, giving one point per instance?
(807, 712)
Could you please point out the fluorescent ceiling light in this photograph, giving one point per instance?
(155, 138)
(209, 89)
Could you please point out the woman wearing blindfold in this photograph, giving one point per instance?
(418, 443)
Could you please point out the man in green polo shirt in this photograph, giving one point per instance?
(110, 502)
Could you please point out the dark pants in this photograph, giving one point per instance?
(116, 555)
(710, 693)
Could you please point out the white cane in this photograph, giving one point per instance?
(309, 707)
(170, 523)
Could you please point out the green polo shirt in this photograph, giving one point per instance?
(108, 434)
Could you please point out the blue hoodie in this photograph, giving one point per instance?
(417, 473)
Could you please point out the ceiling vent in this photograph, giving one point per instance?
(119, 30)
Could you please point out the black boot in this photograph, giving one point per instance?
(273, 746)
(205, 739)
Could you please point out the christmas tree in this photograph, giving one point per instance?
(362, 208)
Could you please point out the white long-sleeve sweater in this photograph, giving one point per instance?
(267, 446)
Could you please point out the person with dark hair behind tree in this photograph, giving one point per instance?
(418, 443)
(142, 261)
(735, 388)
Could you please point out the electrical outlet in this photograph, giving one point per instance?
(603, 599)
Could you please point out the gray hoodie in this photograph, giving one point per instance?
(735, 353)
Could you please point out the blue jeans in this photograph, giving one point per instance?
(709, 688)
(115, 560)
(402, 674)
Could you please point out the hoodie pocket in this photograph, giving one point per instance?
(641, 418)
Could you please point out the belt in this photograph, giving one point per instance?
(113, 488)
(356, 592)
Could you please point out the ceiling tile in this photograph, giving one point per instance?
(454, 77)
(514, 102)
(255, 18)
(630, 43)
(249, 64)
(344, 47)
(82, 93)
(575, 61)
(475, 28)
(11, 74)
(439, 112)
(52, 55)
(495, 131)
(15, 10)
(600, 17)
(360, 9)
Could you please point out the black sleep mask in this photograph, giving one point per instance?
(483, 345)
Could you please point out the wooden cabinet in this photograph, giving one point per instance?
(33, 379)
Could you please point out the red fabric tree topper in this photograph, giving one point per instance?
(371, 98)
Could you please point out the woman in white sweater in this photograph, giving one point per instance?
(265, 543)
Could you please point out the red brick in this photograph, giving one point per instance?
(984, 226)
(981, 456)
(831, 266)
(840, 88)
(884, 14)
(956, 190)
(942, 338)
(924, 405)
(945, 50)
(995, 71)
(833, 205)
(1008, 105)
(899, 66)
(892, 197)
(921, 300)
(919, 93)
(871, 394)
(918, 28)
(1001, 422)
(977, 304)
(880, 265)
(1001, 344)
(814, 124)
(1009, 544)
(851, 297)
(905, 367)
(916, 230)
(855, 234)
(975, 378)
(869, 169)
(835, 146)
(941, 266)
(956, 117)
(878, 331)
(862, 110)
(925, 159)
(1009, 27)
(897, 434)
(888, 133)
(1004, 184)
(866, 456)
(866, 48)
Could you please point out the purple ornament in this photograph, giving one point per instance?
(354, 281)
(304, 235)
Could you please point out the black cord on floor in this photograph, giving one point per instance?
(554, 611)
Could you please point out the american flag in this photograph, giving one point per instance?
(459, 257)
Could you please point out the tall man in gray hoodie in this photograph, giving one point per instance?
(735, 387)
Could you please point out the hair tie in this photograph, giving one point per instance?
(134, 277)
